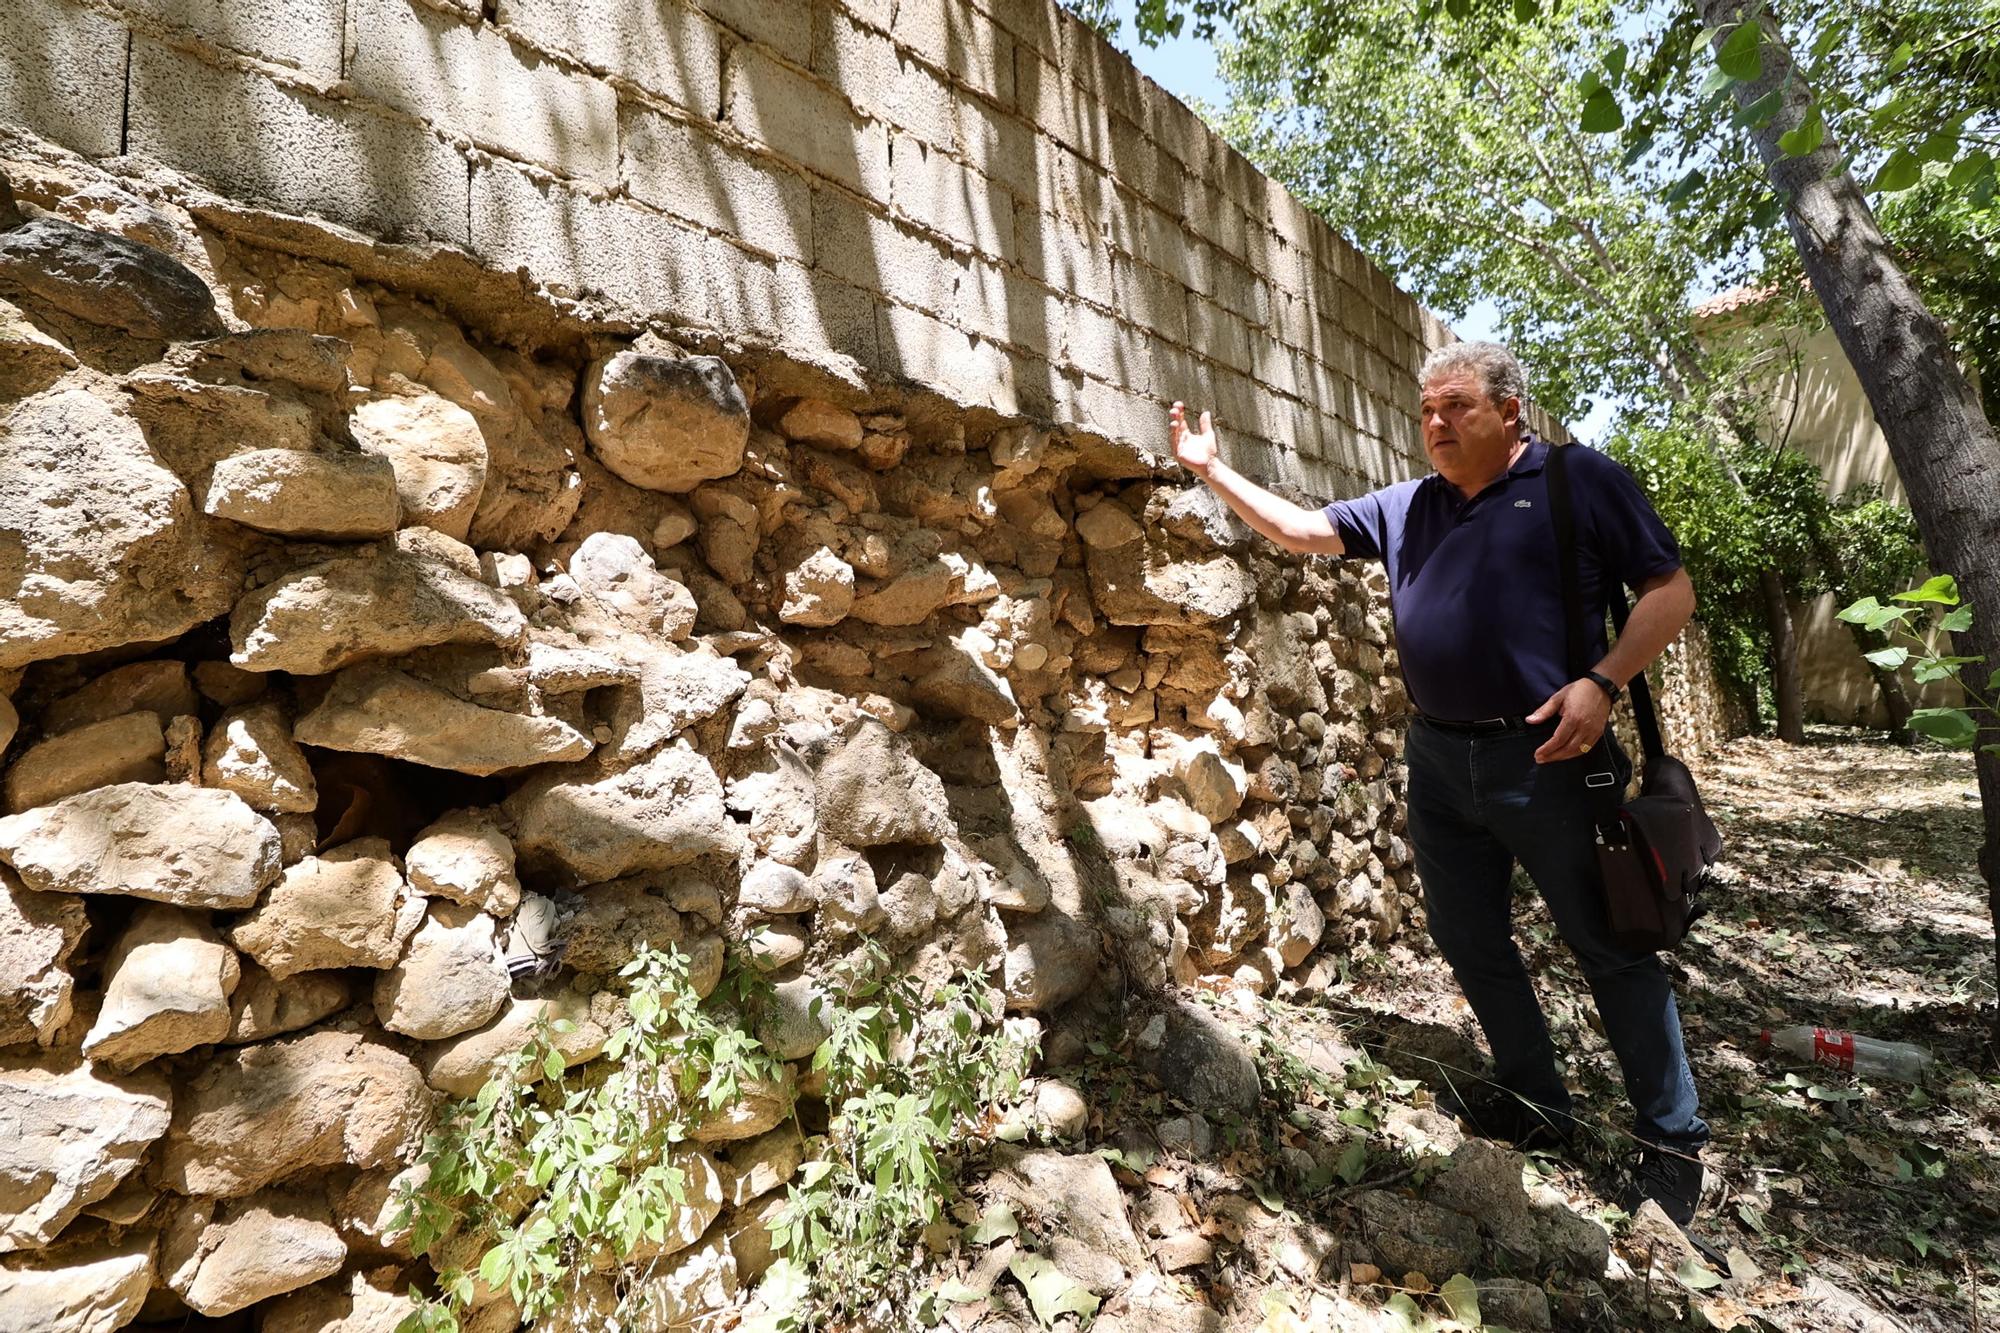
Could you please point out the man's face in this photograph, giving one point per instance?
(1468, 436)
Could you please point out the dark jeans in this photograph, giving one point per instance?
(1478, 804)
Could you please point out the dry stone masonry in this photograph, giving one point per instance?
(689, 472)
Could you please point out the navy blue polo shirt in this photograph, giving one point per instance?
(1475, 585)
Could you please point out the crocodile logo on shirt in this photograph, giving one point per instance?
(1524, 504)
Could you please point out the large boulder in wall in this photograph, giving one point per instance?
(71, 1138)
(189, 846)
(601, 825)
(100, 544)
(665, 423)
(93, 1287)
(106, 279)
(255, 1114)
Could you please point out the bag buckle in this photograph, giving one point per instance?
(1599, 779)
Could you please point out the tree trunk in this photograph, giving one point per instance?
(1787, 688)
(1944, 448)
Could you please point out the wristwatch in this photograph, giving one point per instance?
(1603, 682)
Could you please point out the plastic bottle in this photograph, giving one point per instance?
(1844, 1050)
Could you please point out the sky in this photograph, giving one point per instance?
(1185, 66)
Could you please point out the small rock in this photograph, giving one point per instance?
(615, 570)
(385, 604)
(159, 688)
(183, 845)
(1511, 1302)
(347, 907)
(664, 423)
(251, 752)
(460, 1066)
(1092, 1239)
(450, 979)
(131, 748)
(1108, 526)
(376, 709)
(776, 945)
(465, 857)
(758, 1166)
(819, 591)
(38, 933)
(1409, 1235)
(615, 922)
(774, 889)
(1204, 1063)
(872, 791)
(226, 1257)
(228, 685)
(169, 981)
(358, 1303)
(1215, 786)
(335, 497)
(262, 1006)
(94, 1287)
(437, 455)
(1061, 1108)
(656, 815)
(788, 1026)
(1051, 958)
(816, 421)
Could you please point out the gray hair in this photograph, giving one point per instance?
(1496, 367)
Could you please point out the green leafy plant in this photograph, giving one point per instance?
(549, 1174)
(909, 1076)
(1918, 632)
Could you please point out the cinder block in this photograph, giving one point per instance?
(1037, 24)
(1167, 244)
(1219, 335)
(1006, 308)
(964, 367)
(1117, 413)
(62, 74)
(945, 196)
(644, 264)
(304, 35)
(1046, 95)
(1003, 148)
(969, 50)
(1097, 343)
(292, 150)
(667, 47)
(858, 245)
(469, 79)
(1058, 254)
(806, 122)
(692, 174)
(1149, 298)
(1241, 291)
(785, 28)
(864, 65)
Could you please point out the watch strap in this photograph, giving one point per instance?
(1605, 683)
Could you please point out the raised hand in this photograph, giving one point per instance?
(1195, 449)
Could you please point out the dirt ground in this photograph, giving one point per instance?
(1849, 897)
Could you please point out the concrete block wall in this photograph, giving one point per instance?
(980, 196)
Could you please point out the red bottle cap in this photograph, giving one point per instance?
(1764, 1038)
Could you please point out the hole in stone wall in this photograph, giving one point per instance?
(369, 796)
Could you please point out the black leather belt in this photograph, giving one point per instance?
(1487, 726)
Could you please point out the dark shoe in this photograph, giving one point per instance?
(1493, 1112)
(1669, 1177)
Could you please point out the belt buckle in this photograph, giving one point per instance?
(1491, 724)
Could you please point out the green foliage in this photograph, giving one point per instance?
(908, 1075)
(1920, 631)
(549, 1173)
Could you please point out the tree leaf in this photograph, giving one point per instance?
(1969, 169)
(1742, 56)
(1686, 186)
(1717, 80)
(1461, 1296)
(1051, 1292)
(1941, 588)
(1898, 58)
(1889, 658)
(1696, 1276)
(1808, 135)
(1900, 172)
(1958, 621)
(1527, 11)
(1602, 114)
(1353, 1163)
(1759, 111)
(1829, 37)
(1615, 58)
(1952, 726)
(996, 1223)
(1703, 40)
(1638, 149)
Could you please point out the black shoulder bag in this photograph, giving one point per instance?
(1654, 850)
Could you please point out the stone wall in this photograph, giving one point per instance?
(982, 198)
(475, 482)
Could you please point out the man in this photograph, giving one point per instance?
(1497, 747)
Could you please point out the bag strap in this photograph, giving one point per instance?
(1564, 511)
